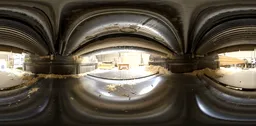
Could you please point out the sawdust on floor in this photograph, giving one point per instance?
(33, 90)
(210, 72)
(125, 90)
(111, 87)
(157, 69)
(30, 78)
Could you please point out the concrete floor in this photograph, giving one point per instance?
(9, 79)
(240, 78)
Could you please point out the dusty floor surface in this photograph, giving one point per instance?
(236, 77)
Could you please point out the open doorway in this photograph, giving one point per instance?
(123, 64)
(12, 69)
(238, 69)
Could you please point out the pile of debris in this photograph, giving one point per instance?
(157, 69)
(211, 73)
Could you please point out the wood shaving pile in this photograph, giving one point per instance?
(27, 77)
(111, 87)
(124, 90)
(210, 72)
(157, 69)
(53, 76)
(30, 82)
(58, 76)
(33, 90)
(31, 79)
